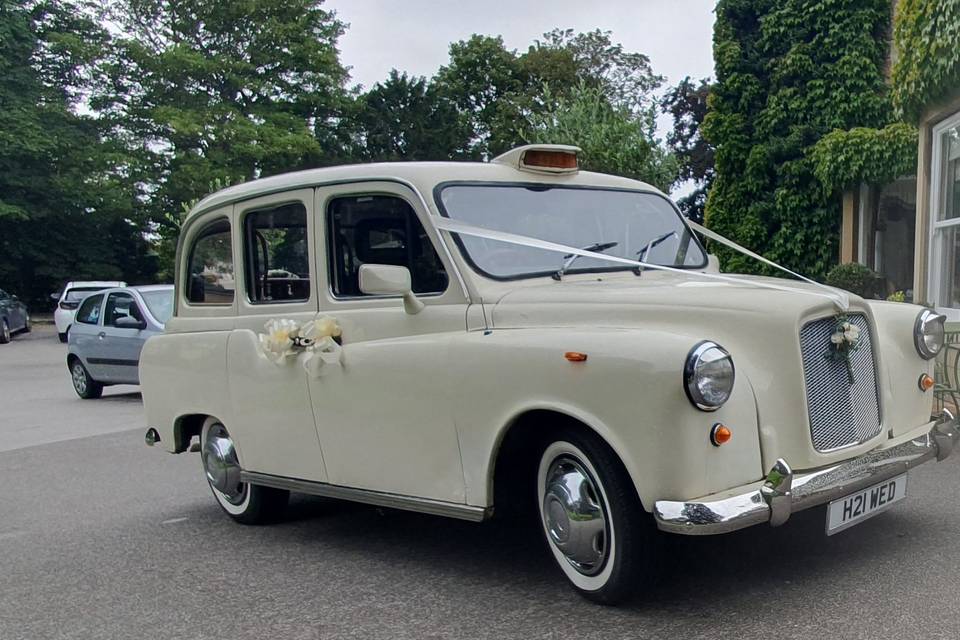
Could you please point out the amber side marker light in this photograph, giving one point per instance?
(575, 356)
(539, 159)
(926, 383)
(720, 434)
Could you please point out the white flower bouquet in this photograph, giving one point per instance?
(317, 341)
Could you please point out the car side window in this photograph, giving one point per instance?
(277, 260)
(120, 305)
(89, 311)
(210, 278)
(379, 229)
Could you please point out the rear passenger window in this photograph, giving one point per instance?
(89, 311)
(210, 277)
(277, 260)
(380, 230)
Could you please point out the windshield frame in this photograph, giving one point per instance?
(438, 200)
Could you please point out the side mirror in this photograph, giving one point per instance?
(390, 280)
(129, 322)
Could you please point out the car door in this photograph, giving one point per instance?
(384, 416)
(85, 338)
(273, 423)
(119, 347)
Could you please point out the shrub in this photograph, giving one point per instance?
(855, 278)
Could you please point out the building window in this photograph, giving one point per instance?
(945, 257)
(887, 233)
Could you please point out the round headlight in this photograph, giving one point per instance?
(928, 334)
(708, 376)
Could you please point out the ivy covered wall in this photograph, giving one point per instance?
(844, 159)
(788, 73)
(927, 69)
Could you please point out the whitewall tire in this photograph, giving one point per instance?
(592, 520)
(245, 503)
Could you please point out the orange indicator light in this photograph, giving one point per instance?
(720, 434)
(575, 356)
(926, 383)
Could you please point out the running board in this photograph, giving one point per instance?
(378, 498)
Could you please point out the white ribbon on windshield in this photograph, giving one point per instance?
(839, 298)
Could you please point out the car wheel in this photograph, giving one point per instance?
(85, 386)
(63, 337)
(27, 327)
(245, 503)
(4, 331)
(593, 522)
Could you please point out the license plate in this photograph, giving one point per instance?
(857, 507)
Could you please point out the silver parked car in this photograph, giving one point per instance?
(109, 331)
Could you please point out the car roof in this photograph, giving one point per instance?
(423, 175)
(152, 287)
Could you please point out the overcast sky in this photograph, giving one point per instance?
(414, 35)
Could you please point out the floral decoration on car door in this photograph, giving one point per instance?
(315, 343)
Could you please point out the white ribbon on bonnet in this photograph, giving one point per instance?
(836, 296)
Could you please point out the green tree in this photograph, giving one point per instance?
(687, 105)
(66, 212)
(406, 118)
(613, 138)
(223, 90)
(788, 73)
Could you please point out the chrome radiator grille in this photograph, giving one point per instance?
(841, 414)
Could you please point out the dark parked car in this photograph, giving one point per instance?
(14, 316)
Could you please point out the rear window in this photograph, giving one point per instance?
(79, 293)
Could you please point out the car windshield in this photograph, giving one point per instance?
(160, 303)
(576, 217)
(79, 293)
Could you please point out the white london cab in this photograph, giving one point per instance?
(465, 338)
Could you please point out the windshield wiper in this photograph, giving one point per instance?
(570, 258)
(650, 245)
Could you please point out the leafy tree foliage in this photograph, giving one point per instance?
(65, 210)
(788, 73)
(687, 105)
(845, 159)
(614, 139)
(406, 118)
(222, 91)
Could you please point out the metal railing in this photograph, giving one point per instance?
(947, 387)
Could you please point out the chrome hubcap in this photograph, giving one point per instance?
(6, 330)
(221, 464)
(79, 378)
(575, 516)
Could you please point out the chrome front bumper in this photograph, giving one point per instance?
(785, 492)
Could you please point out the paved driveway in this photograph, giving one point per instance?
(102, 537)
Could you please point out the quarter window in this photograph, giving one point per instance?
(210, 269)
(380, 230)
(89, 311)
(277, 260)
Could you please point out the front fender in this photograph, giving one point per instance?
(629, 391)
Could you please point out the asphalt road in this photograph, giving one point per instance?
(102, 537)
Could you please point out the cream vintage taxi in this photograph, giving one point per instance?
(460, 338)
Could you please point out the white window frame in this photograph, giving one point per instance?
(936, 257)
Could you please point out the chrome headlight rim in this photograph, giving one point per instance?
(690, 371)
(925, 319)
